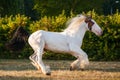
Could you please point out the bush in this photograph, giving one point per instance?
(54, 23)
(106, 47)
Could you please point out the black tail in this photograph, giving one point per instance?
(18, 41)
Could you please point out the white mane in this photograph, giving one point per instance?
(74, 23)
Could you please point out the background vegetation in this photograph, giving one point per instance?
(51, 15)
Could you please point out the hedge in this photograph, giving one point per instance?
(106, 47)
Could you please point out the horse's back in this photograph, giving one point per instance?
(54, 41)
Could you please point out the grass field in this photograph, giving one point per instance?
(23, 70)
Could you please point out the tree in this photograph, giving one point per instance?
(11, 7)
(55, 7)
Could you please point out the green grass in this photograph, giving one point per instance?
(23, 70)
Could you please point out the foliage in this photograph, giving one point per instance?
(106, 47)
(40, 8)
(54, 23)
(8, 7)
(54, 7)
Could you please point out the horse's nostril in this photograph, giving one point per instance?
(101, 32)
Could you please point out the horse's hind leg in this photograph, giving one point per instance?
(38, 46)
(45, 69)
(34, 58)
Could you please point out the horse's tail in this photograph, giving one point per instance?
(19, 40)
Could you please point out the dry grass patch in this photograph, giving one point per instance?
(23, 70)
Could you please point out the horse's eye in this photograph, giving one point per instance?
(90, 24)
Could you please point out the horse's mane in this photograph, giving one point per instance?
(75, 22)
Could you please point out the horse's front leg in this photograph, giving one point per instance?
(75, 65)
(82, 58)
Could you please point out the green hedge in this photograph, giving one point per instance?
(106, 47)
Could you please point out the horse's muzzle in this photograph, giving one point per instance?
(100, 33)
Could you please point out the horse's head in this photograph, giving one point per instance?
(93, 26)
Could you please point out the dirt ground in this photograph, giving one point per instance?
(24, 70)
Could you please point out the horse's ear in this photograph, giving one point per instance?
(91, 15)
(88, 18)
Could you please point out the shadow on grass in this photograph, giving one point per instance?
(104, 70)
(23, 78)
(21, 65)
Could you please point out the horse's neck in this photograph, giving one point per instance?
(81, 32)
(77, 34)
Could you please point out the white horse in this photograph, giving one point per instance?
(68, 41)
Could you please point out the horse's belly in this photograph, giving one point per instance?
(57, 45)
(57, 48)
(55, 42)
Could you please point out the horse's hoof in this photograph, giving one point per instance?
(71, 69)
(82, 69)
(48, 74)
